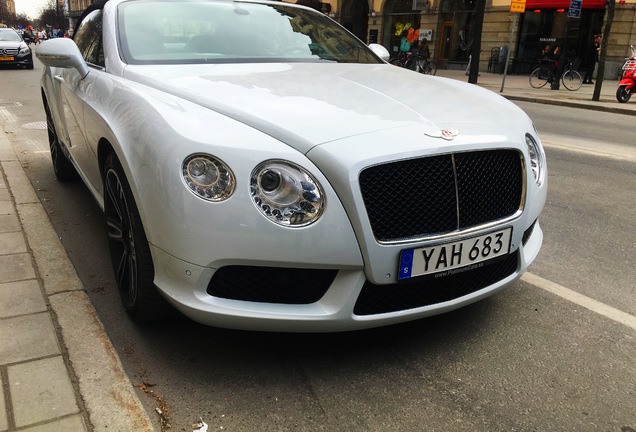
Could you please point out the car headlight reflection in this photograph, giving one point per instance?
(208, 177)
(286, 194)
(537, 159)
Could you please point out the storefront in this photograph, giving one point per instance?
(399, 17)
(546, 22)
(457, 31)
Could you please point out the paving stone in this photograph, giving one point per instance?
(9, 222)
(41, 390)
(21, 298)
(16, 268)
(4, 194)
(12, 243)
(27, 337)
(68, 424)
(4, 422)
(19, 183)
(6, 207)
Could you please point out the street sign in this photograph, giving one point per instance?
(518, 6)
(575, 8)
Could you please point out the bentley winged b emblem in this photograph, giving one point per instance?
(447, 134)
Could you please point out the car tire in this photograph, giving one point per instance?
(62, 166)
(29, 66)
(129, 249)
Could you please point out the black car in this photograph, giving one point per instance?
(14, 50)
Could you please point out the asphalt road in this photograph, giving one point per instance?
(526, 359)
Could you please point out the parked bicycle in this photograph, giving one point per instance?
(544, 74)
(425, 66)
(414, 62)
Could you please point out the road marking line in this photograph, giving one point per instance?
(581, 300)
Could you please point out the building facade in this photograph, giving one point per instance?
(75, 9)
(449, 25)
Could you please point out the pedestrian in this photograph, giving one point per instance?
(545, 52)
(591, 57)
(423, 54)
(41, 36)
(554, 57)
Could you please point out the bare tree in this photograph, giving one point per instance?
(22, 19)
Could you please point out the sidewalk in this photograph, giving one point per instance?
(58, 369)
(517, 87)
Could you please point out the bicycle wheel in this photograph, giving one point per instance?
(410, 63)
(429, 68)
(538, 78)
(571, 80)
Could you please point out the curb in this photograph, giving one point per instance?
(572, 104)
(94, 365)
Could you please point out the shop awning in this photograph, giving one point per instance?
(562, 4)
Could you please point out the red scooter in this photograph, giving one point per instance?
(627, 84)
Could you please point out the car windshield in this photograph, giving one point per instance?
(186, 32)
(8, 35)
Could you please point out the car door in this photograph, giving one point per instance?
(78, 98)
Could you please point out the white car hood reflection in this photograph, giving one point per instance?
(308, 104)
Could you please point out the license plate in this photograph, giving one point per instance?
(449, 258)
(5, 58)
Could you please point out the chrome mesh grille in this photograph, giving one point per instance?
(10, 51)
(440, 194)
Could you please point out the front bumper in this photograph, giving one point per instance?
(350, 301)
(18, 60)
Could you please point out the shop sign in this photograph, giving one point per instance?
(426, 34)
(518, 6)
(575, 8)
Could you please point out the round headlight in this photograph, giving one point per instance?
(207, 177)
(537, 159)
(286, 194)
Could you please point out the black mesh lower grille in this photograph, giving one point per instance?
(271, 284)
(377, 299)
(440, 194)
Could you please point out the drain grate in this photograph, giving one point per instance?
(10, 104)
(35, 125)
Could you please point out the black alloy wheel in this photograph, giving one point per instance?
(129, 249)
(62, 166)
(623, 94)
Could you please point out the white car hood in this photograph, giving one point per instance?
(306, 105)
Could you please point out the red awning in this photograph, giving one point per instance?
(562, 4)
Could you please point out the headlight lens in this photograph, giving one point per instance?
(537, 159)
(286, 194)
(208, 177)
(24, 49)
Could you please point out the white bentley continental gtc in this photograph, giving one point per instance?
(261, 168)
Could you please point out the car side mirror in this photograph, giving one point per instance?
(61, 53)
(380, 51)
